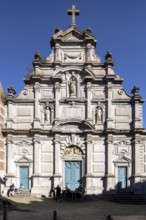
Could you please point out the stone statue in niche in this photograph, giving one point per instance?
(98, 115)
(47, 114)
(73, 86)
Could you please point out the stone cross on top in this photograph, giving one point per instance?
(73, 12)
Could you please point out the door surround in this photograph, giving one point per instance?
(76, 155)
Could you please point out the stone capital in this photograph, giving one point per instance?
(36, 140)
(37, 87)
(89, 86)
(57, 86)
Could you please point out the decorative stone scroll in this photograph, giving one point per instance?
(72, 151)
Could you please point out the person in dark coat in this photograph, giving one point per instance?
(58, 193)
(52, 191)
(11, 190)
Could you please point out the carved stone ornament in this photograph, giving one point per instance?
(72, 151)
(122, 148)
(120, 91)
(11, 91)
(25, 92)
(71, 56)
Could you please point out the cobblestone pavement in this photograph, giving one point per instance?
(28, 208)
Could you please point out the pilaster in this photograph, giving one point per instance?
(57, 53)
(89, 151)
(36, 123)
(136, 119)
(89, 164)
(136, 108)
(88, 53)
(10, 161)
(37, 155)
(57, 97)
(136, 174)
(57, 171)
(10, 121)
(57, 156)
(89, 98)
(109, 163)
(109, 106)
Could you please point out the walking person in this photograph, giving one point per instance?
(11, 190)
(52, 192)
(58, 193)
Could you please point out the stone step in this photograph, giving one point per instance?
(126, 198)
(22, 194)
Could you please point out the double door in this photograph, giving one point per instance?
(73, 173)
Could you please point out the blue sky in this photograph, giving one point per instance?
(119, 26)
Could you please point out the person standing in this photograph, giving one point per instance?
(58, 193)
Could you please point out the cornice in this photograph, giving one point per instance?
(17, 100)
(73, 101)
(52, 131)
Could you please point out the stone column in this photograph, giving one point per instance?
(36, 106)
(89, 98)
(57, 97)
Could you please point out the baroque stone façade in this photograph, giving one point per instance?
(74, 119)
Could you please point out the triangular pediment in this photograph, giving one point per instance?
(69, 35)
(122, 159)
(23, 159)
(73, 34)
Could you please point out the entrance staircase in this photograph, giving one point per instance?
(126, 198)
(23, 194)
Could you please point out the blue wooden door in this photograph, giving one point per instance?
(24, 177)
(122, 177)
(73, 174)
